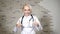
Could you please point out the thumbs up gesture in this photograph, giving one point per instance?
(19, 25)
(35, 23)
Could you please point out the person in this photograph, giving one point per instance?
(28, 22)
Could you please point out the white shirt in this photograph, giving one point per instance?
(28, 27)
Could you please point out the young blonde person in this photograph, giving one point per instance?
(28, 22)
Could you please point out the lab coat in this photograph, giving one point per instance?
(28, 28)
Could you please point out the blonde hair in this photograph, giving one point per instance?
(27, 5)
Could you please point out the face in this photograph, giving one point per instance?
(26, 10)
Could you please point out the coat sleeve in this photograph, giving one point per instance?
(19, 20)
(40, 26)
(15, 28)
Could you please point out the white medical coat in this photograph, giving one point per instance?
(28, 27)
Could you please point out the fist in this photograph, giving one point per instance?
(35, 24)
(18, 25)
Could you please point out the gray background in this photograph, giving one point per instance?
(47, 12)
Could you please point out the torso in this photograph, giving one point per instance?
(27, 24)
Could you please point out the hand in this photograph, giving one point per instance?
(35, 24)
(19, 25)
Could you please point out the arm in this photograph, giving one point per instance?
(18, 25)
(37, 24)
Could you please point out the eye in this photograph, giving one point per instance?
(26, 9)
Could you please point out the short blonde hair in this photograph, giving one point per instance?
(27, 5)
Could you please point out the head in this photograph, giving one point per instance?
(27, 9)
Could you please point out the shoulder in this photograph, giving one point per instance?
(34, 16)
(20, 18)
